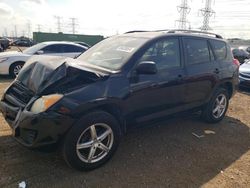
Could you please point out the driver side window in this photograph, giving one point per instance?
(165, 53)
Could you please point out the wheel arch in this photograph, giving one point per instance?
(229, 87)
(113, 109)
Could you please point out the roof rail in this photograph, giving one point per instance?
(194, 31)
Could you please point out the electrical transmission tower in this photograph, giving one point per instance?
(207, 12)
(184, 10)
(73, 24)
(58, 21)
(38, 27)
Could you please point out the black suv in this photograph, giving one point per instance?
(86, 104)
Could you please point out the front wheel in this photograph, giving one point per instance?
(15, 69)
(92, 141)
(216, 109)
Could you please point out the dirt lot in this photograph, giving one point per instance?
(163, 155)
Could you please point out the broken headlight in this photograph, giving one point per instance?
(44, 102)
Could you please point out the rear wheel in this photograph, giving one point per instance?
(216, 109)
(15, 69)
(92, 141)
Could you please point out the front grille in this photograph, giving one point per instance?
(18, 95)
(245, 75)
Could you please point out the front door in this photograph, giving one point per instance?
(156, 95)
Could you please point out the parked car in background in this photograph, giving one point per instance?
(87, 103)
(244, 74)
(246, 48)
(240, 54)
(25, 42)
(4, 44)
(12, 62)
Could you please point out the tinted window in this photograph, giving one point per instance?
(71, 48)
(196, 51)
(54, 48)
(220, 49)
(164, 53)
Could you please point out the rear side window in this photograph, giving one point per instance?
(221, 50)
(197, 51)
(72, 48)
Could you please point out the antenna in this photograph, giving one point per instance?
(184, 10)
(207, 12)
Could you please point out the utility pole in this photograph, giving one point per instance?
(5, 32)
(38, 27)
(15, 31)
(29, 29)
(73, 25)
(58, 21)
(184, 10)
(207, 12)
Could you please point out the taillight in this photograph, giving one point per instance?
(236, 62)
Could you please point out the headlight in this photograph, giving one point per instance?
(44, 102)
(3, 59)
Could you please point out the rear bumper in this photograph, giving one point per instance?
(35, 130)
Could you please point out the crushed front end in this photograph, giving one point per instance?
(31, 129)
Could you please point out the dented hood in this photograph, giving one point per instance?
(57, 74)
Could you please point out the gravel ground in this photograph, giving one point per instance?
(165, 154)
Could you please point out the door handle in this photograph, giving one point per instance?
(216, 71)
(153, 85)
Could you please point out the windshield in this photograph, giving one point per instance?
(34, 49)
(112, 53)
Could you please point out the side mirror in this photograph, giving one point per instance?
(146, 67)
(39, 52)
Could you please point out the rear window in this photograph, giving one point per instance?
(197, 51)
(221, 50)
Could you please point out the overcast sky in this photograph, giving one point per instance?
(109, 17)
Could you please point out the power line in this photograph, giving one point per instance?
(184, 10)
(207, 12)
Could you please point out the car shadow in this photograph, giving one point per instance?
(181, 151)
(5, 79)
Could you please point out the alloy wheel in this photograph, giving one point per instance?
(220, 106)
(17, 69)
(95, 143)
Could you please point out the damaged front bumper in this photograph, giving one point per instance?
(35, 130)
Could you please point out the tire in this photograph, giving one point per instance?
(15, 68)
(214, 112)
(83, 133)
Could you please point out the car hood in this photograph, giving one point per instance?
(46, 75)
(245, 68)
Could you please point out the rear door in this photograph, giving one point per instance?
(202, 70)
(224, 57)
